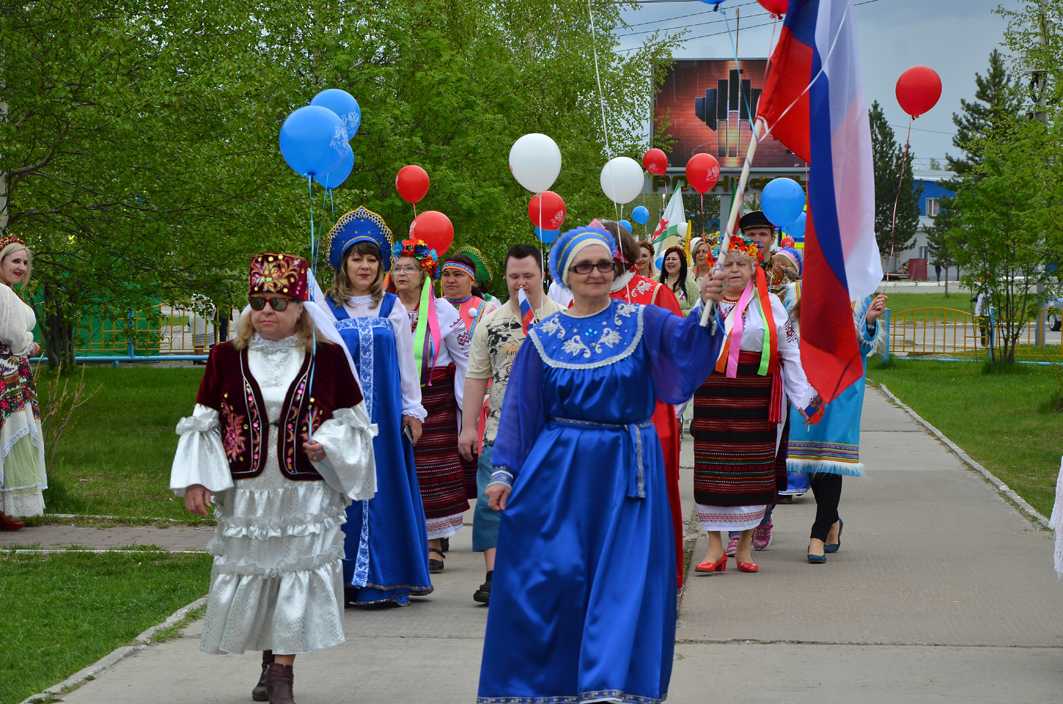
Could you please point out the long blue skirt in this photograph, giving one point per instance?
(583, 602)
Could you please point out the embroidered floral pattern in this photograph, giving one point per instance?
(643, 286)
(575, 346)
(234, 438)
(552, 326)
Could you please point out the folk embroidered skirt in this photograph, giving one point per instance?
(440, 474)
(735, 458)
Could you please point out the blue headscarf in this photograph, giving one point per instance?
(570, 243)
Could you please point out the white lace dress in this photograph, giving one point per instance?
(22, 470)
(277, 580)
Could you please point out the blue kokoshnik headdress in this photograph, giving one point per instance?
(361, 225)
(570, 243)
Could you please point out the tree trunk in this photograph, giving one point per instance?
(58, 332)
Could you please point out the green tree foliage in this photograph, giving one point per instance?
(140, 138)
(998, 229)
(890, 163)
(996, 102)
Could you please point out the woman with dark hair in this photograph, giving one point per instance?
(645, 261)
(674, 276)
(386, 544)
(281, 438)
(459, 281)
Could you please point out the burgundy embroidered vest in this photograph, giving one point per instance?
(229, 388)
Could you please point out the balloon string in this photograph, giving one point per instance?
(893, 224)
(313, 256)
(601, 101)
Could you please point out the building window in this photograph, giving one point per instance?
(931, 207)
(924, 252)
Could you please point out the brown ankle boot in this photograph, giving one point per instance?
(279, 680)
(259, 692)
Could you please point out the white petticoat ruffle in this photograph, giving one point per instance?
(730, 517)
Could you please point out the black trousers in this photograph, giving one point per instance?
(828, 491)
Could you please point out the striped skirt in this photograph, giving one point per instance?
(735, 459)
(439, 468)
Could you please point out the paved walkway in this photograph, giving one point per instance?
(177, 538)
(941, 592)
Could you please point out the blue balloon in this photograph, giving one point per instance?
(782, 201)
(659, 263)
(343, 104)
(336, 177)
(626, 224)
(547, 236)
(796, 229)
(640, 215)
(313, 140)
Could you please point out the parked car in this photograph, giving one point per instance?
(1054, 316)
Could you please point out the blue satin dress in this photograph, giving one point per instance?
(384, 538)
(583, 602)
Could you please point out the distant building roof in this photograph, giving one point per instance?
(932, 175)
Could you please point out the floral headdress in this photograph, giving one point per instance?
(741, 245)
(284, 274)
(10, 239)
(418, 249)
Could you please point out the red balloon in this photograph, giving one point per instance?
(703, 171)
(787, 241)
(918, 90)
(412, 183)
(655, 161)
(775, 7)
(553, 210)
(435, 229)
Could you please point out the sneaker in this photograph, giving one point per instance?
(762, 536)
(732, 545)
(483, 594)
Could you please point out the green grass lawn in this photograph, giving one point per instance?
(116, 459)
(1007, 419)
(907, 301)
(62, 612)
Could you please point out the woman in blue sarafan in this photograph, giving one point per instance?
(829, 450)
(384, 538)
(584, 600)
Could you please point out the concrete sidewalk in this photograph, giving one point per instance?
(57, 536)
(942, 592)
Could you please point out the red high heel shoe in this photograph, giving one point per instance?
(718, 566)
(747, 567)
(9, 523)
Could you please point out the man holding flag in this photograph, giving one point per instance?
(495, 343)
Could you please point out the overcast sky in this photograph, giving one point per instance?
(954, 37)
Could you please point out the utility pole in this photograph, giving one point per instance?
(1039, 84)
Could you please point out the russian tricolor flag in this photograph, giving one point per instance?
(527, 315)
(814, 103)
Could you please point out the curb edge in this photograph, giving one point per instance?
(112, 658)
(1030, 512)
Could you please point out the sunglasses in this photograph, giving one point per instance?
(586, 267)
(277, 304)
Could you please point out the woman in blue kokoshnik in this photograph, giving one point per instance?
(584, 598)
(386, 544)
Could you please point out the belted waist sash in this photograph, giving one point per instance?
(636, 480)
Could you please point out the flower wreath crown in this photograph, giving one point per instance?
(741, 245)
(419, 250)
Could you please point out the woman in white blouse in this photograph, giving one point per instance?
(281, 439)
(740, 409)
(386, 544)
(441, 353)
(22, 473)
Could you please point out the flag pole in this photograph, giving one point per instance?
(736, 204)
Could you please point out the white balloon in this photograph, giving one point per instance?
(622, 179)
(682, 229)
(535, 162)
